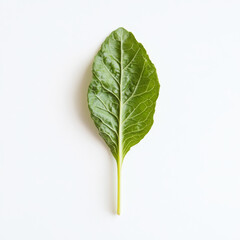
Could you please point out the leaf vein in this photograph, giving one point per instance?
(106, 109)
(107, 90)
(105, 124)
(132, 59)
(136, 85)
(114, 144)
(114, 78)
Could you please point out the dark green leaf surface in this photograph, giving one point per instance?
(123, 92)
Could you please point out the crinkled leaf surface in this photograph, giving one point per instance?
(123, 92)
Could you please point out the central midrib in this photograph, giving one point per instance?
(120, 111)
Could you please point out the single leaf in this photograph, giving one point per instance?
(122, 94)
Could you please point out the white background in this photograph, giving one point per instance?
(58, 178)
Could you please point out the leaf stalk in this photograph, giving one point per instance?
(119, 188)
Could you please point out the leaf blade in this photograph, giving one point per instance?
(126, 82)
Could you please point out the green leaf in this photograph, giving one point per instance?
(122, 94)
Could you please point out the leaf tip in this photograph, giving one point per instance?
(121, 30)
